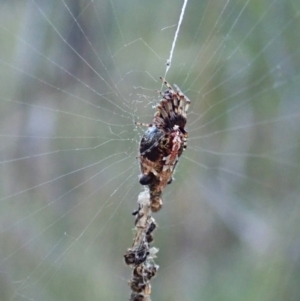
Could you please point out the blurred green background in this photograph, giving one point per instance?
(75, 75)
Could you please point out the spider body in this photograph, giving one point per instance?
(163, 143)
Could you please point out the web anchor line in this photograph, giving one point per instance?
(169, 60)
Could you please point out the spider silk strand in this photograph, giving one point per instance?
(175, 37)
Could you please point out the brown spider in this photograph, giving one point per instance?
(163, 143)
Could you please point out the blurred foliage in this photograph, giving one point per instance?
(74, 77)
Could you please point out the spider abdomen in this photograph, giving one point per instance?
(150, 142)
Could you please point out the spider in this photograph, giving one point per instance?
(163, 143)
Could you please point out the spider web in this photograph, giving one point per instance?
(76, 75)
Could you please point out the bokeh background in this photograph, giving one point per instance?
(76, 75)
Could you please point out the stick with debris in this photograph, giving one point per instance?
(141, 255)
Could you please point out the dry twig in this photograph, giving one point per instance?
(141, 256)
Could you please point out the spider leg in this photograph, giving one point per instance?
(178, 89)
(181, 100)
(175, 103)
(166, 102)
(171, 108)
(166, 83)
(184, 108)
(166, 95)
(163, 112)
(174, 96)
(184, 139)
(161, 93)
(177, 99)
(158, 120)
(143, 124)
(168, 106)
(187, 105)
(181, 104)
(184, 144)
